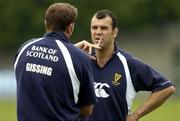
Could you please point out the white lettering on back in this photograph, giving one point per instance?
(41, 69)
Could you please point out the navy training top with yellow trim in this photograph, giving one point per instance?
(54, 79)
(117, 83)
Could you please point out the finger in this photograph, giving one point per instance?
(90, 50)
(85, 47)
(95, 46)
(99, 42)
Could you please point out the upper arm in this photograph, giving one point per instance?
(145, 78)
(83, 68)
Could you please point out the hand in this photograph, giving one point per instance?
(132, 117)
(87, 47)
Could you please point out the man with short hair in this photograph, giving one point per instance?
(54, 78)
(119, 76)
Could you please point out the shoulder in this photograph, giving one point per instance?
(79, 58)
(77, 52)
(133, 62)
(29, 42)
(130, 57)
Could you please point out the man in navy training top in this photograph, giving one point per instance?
(119, 75)
(54, 78)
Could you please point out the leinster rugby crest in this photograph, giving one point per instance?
(117, 78)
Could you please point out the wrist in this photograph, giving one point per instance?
(136, 115)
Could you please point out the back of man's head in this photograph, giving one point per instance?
(59, 15)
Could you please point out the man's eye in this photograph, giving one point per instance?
(104, 28)
(94, 27)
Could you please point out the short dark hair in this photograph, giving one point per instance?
(107, 13)
(59, 15)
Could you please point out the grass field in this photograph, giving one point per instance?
(170, 111)
(7, 110)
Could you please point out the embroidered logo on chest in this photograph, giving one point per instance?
(116, 80)
(100, 89)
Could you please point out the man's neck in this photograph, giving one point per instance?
(104, 55)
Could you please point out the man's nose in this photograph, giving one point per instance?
(99, 31)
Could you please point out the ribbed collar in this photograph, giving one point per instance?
(57, 35)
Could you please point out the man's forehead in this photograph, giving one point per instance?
(104, 21)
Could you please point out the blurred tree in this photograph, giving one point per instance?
(22, 19)
(19, 21)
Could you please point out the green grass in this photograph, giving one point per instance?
(169, 111)
(7, 110)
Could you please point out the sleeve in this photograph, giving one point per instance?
(145, 78)
(87, 94)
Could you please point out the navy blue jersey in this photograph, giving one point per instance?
(54, 79)
(117, 83)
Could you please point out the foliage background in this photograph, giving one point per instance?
(23, 19)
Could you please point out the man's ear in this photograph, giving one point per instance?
(45, 24)
(70, 28)
(48, 29)
(115, 32)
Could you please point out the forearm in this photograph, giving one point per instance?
(153, 102)
(79, 44)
